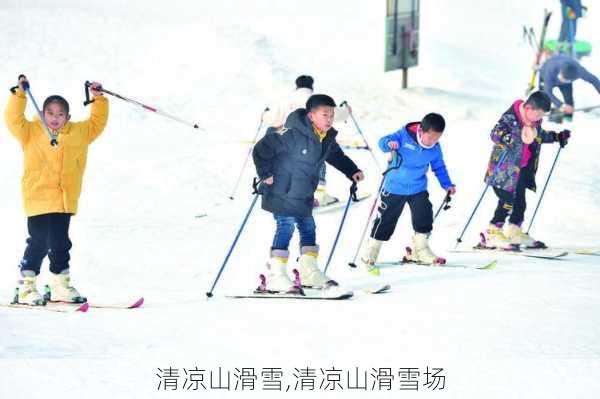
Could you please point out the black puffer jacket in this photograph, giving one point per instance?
(293, 158)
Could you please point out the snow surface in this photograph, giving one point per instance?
(528, 329)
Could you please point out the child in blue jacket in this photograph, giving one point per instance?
(417, 147)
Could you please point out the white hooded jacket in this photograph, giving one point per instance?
(277, 115)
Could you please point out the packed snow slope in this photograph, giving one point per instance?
(527, 329)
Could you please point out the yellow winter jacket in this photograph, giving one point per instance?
(52, 177)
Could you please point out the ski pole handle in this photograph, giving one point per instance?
(86, 86)
(13, 89)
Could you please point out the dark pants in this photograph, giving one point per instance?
(285, 230)
(513, 204)
(567, 92)
(565, 89)
(48, 235)
(389, 211)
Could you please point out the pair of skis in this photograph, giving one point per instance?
(335, 294)
(331, 290)
(68, 307)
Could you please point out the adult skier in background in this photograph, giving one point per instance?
(560, 71)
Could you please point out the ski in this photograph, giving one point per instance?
(133, 305)
(584, 251)
(486, 266)
(373, 289)
(530, 253)
(338, 204)
(51, 307)
(540, 50)
(368, 288)
(331, 292)
(276, 295)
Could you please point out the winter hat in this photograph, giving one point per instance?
(304, 81)
(319, 100)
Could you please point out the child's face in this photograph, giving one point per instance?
(322, 117)
(430, 137)
(533, 115)
(55, 116)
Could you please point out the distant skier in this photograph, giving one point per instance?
(418, 149)
(571, 11)
(51, 186)
(517, 138)
(560, 71)
(277, 115)
(288, 163)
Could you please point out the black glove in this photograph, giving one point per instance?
(563, 137)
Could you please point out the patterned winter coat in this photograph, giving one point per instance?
(293, 157)
(506, 136)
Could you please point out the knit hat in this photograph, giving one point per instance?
(304, 81)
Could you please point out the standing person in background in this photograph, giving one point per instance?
(571, 11)
(276, 116)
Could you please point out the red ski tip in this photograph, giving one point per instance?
(83, 308)
(137, 303)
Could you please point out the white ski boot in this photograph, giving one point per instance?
(421, 253)
(517, 236)
(60, 289)
(27, 293)
(494, 238)
(277, 279)
(310, 274)
(369, 257)
(322, 198)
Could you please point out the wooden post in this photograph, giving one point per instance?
(404, 78)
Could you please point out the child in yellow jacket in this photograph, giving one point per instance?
(51, 186)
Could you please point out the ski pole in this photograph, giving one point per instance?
(256, 194)
(540, 50)
(544, 189)
(394, 165)
(231, 197)
(445, 205)
(351, 197)
(487, 185)
(368, 147)
(25, 84)
(87, 101)
(582, 109)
